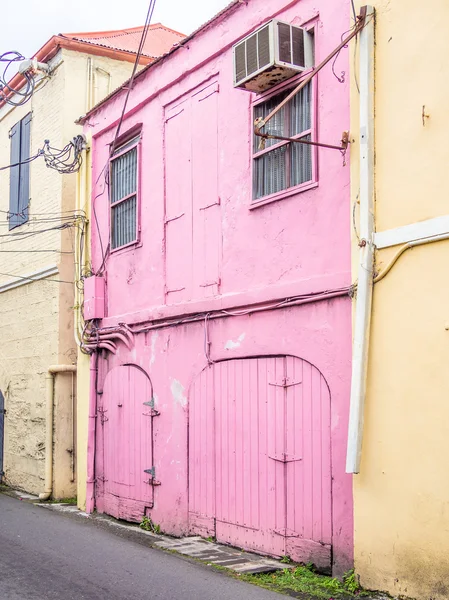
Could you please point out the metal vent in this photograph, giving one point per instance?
(291, 45)
(298, 54)
(240, 61)
(251, 54)
(285, 44)
(263, 45)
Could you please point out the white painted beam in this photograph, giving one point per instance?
(412, 232)
(19, 280)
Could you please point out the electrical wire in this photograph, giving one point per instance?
(103, 254)
(34, 279)
(65, 161)
(6, 92)
(22, 234)
(342, 77)
(34, 251)
(105, 171)
(23, 162)
(26, 236)
(69, 159)
(150, 11)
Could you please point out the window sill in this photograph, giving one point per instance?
(130, 246)
(284, 194)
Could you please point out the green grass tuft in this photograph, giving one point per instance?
(304, 580)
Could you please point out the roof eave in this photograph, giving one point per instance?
(233, 5)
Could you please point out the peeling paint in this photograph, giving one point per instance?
(177, 390)
(231, 345)
(154, 337)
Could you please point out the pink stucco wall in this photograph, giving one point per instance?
(297, 245)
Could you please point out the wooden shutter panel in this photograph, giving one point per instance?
(24, 187)
(14, 176)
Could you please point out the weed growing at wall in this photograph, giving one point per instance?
(304, 580)
(148, 525)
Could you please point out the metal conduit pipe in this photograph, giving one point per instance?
(110, 336)
(220, 314)
(91, 435)
(434, 238)
(102, 345)
(50, 387)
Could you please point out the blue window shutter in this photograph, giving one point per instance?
(24, 187)
(14, 174)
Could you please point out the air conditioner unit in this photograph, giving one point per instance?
(273, 53)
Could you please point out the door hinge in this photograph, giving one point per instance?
(283, 457)
(285, 383)
(285, 532)
(152, 480)
(153, 412)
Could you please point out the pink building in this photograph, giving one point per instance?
(224, 350)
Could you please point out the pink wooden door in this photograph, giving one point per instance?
(124, 444)
(259, 457)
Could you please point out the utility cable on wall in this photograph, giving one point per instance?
(35, 279)
(65, 161)
(7, 93)
(105, 171)
(26, 84)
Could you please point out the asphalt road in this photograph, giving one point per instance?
(47, 555)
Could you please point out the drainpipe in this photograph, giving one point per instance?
(90, 490)
(49, 425)
(362, 319)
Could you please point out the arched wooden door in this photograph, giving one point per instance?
(124, 448)
(260, 457)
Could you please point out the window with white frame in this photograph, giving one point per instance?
(282, 165)
(123, 194)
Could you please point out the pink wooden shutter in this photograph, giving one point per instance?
(178, 204)
(206, 201)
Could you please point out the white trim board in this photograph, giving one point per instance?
(28, 278)
(411, 233)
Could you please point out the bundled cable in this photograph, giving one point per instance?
(7, 93)
(67, 160)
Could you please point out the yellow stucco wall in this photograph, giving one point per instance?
(30, 313)
(36, 319)
(401, 496)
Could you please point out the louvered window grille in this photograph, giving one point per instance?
(283, 165)
(123, 194)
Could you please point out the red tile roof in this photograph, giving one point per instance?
(121, 44)
(159, 41)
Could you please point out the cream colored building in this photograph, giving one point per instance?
(37, 258)
(401, 493)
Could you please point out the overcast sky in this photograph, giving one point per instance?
(28, 24)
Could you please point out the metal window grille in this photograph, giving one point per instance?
(124, 195)
(282, 165)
